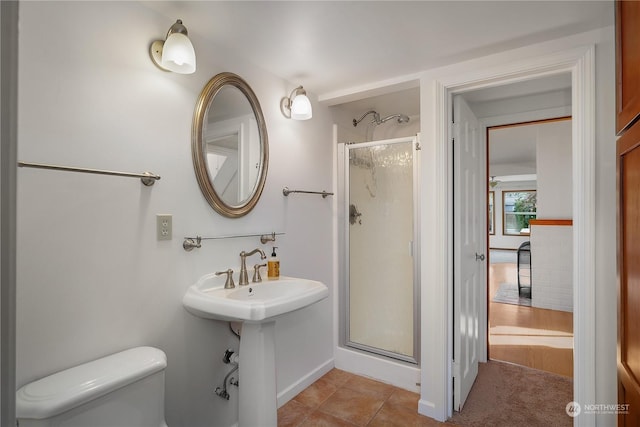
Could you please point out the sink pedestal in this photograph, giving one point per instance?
(257, 306)
(257, 375)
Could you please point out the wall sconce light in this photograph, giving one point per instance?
(176, 53)
(297, 106)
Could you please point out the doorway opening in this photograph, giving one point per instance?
(526, 211)
(437, 224)
(530, 286)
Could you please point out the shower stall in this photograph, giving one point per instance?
(379, 259)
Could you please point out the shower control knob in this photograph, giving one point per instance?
(227, 356)
(479, 257)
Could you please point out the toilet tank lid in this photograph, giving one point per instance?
(59, 392)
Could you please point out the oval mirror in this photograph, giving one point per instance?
(229, 145)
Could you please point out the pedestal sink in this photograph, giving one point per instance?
(256, 305)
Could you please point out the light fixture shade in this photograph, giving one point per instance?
(301, 108)
(178, 54)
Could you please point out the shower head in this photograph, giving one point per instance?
(401, 118)
(376, 117)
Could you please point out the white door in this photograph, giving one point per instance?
(470, 198)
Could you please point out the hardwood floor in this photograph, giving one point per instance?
(528, 336)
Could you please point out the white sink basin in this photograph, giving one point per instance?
(254, 302)
(256, 305)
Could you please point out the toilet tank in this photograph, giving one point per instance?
(123, 389)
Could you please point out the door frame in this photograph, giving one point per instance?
(437, 89)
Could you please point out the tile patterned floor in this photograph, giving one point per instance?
(341, 399)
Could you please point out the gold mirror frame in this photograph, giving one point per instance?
(198, 149)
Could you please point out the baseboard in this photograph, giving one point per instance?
(398, 374)
(428, 409)
(290, 392)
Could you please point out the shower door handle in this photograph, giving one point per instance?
(479, 257)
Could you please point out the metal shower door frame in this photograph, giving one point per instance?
(343, 216)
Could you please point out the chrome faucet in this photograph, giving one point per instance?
(256, 273)
(244, 277)
(229, 283)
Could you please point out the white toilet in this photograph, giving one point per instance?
(125, 389)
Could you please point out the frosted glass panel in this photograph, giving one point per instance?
(381, 282)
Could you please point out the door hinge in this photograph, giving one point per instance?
(456, 369)
(455, 129)
(418, 147)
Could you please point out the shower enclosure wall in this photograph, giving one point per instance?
(379, 260)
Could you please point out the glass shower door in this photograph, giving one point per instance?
(380, 235)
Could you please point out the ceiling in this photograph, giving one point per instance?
(545, 84)
(512, 150)
(333, 46)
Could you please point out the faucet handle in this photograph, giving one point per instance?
(229, 283)
(256, 273)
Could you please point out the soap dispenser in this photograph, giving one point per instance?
(273, 265)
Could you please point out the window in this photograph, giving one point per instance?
(492, 213)
(519, 208)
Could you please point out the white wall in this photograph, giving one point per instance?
(552, 246)
(554, 170)
(92, 279)
(552, 267)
